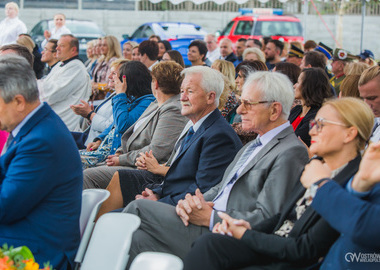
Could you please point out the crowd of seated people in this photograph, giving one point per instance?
(228, 165)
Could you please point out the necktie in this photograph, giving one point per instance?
(180, 145)
(9, 140)
(243, 158)
(232, 176)
(186, 140)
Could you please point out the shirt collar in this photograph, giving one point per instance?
(22, 123)
(54, 65)
(197, 125)
(267, 137)
(63, 63)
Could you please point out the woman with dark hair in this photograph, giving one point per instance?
(289, 69)
(163, 46)
(133, 96)
(312, 88)
(292, 71)
(173, 55)
(243, 70)
(161, 124)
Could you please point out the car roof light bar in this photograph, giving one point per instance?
(261, 11)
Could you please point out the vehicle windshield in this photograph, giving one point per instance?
(226, 31)
(80, 27)
(181, 29)
(277, 28)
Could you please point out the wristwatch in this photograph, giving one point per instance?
(314, 187)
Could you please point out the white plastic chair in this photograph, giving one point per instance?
(92, 199)
(156, 261)
(110, 242)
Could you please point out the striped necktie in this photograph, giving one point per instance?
(243, 158)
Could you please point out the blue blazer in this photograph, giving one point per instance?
(41, 190)
(201, 164)
(125, 114)
(357, 220)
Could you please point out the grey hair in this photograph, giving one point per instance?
(227, 40)
(211, 35)
(274, 86)
(17, 78)
(212, 80)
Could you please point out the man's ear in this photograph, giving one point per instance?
(74, 50)
(275, 111)
(155, 84)
(211, 97)
(20, 103)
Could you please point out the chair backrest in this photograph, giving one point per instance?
(156, 261)
(110, 242)
(92, 199)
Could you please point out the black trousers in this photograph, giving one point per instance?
(215, 251)
(133, 182)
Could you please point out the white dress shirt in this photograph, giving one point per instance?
(10, 29)
(212, 56)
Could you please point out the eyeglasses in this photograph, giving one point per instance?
(47, 50)
(248, 104)
(320, 123)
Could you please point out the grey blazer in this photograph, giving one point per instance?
(266, 182)
(158, 132)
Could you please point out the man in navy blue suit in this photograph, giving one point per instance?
(40, 171)
(206, 146)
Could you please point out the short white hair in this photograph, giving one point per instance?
(274, 86)
(212, 80)
(210, 35)
(257, 51)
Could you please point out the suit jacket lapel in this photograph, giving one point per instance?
(272, 143)
(268, 147)
(205, 125)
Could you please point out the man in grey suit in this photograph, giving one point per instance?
(254, 186)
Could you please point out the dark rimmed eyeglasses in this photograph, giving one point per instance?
(320, 123)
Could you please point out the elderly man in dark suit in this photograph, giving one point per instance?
(40, 171)
(254, 186)
(204, 149)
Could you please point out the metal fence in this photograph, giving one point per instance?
(352, 7)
